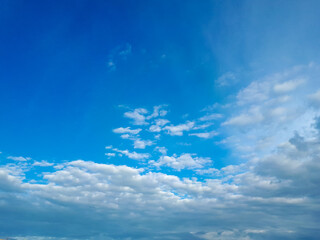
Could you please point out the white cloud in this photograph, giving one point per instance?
(184, 161)
(125, 136)
(162, 150)
(157, 111)
(264, 193)
(127, 130)
(111, 65)
(157, 127)
(253, 116)
(269, 109)
(161, 121)
(177, 130)
(42, 163)
(205, 135)
(138, 116)
(288, 85)
(210, 117)
(110, 154)
(81, 198)
(20, 159)
(133, 155)
(226, 79)
(256, 92)
(141, 144)
(202, 126)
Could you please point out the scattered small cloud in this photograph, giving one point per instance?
(226, 79)
(210, 117)
(127, 130)
(19, 159)
(142, 144)
(177, 130)
(158, 111)
(133, 155)
(138, 116)
(110, 154)
(162, 150)
(184, 161)
(159, 123)
(42, 163)
(205, 135)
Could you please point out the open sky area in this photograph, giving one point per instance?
(160, 120)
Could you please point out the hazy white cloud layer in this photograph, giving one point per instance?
(271, 191)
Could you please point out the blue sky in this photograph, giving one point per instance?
(159, 119)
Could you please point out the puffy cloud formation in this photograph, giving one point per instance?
(274, 197)
(127, 130)
(270, 189)
(138, 116)
(185, 161)
(177, 130)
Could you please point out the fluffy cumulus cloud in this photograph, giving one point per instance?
(142, 144)
(158, 125)
(276, 197)
(177, 130)
(138, 116)
(269, 191)
(184, 161)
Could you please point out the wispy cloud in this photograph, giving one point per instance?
(210, 117)
(184, 161)
(117, 55)
(133, 155)
(226, 79)
(142, 144)
(42, 163)
(177, 130)
(127, 130)
(19, 159)
(205, 135)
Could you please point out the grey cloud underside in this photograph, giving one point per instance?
(275, 197)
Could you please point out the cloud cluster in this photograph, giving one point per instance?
(273, 193)
(268, 110)
(274, 197)
(184, 161)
